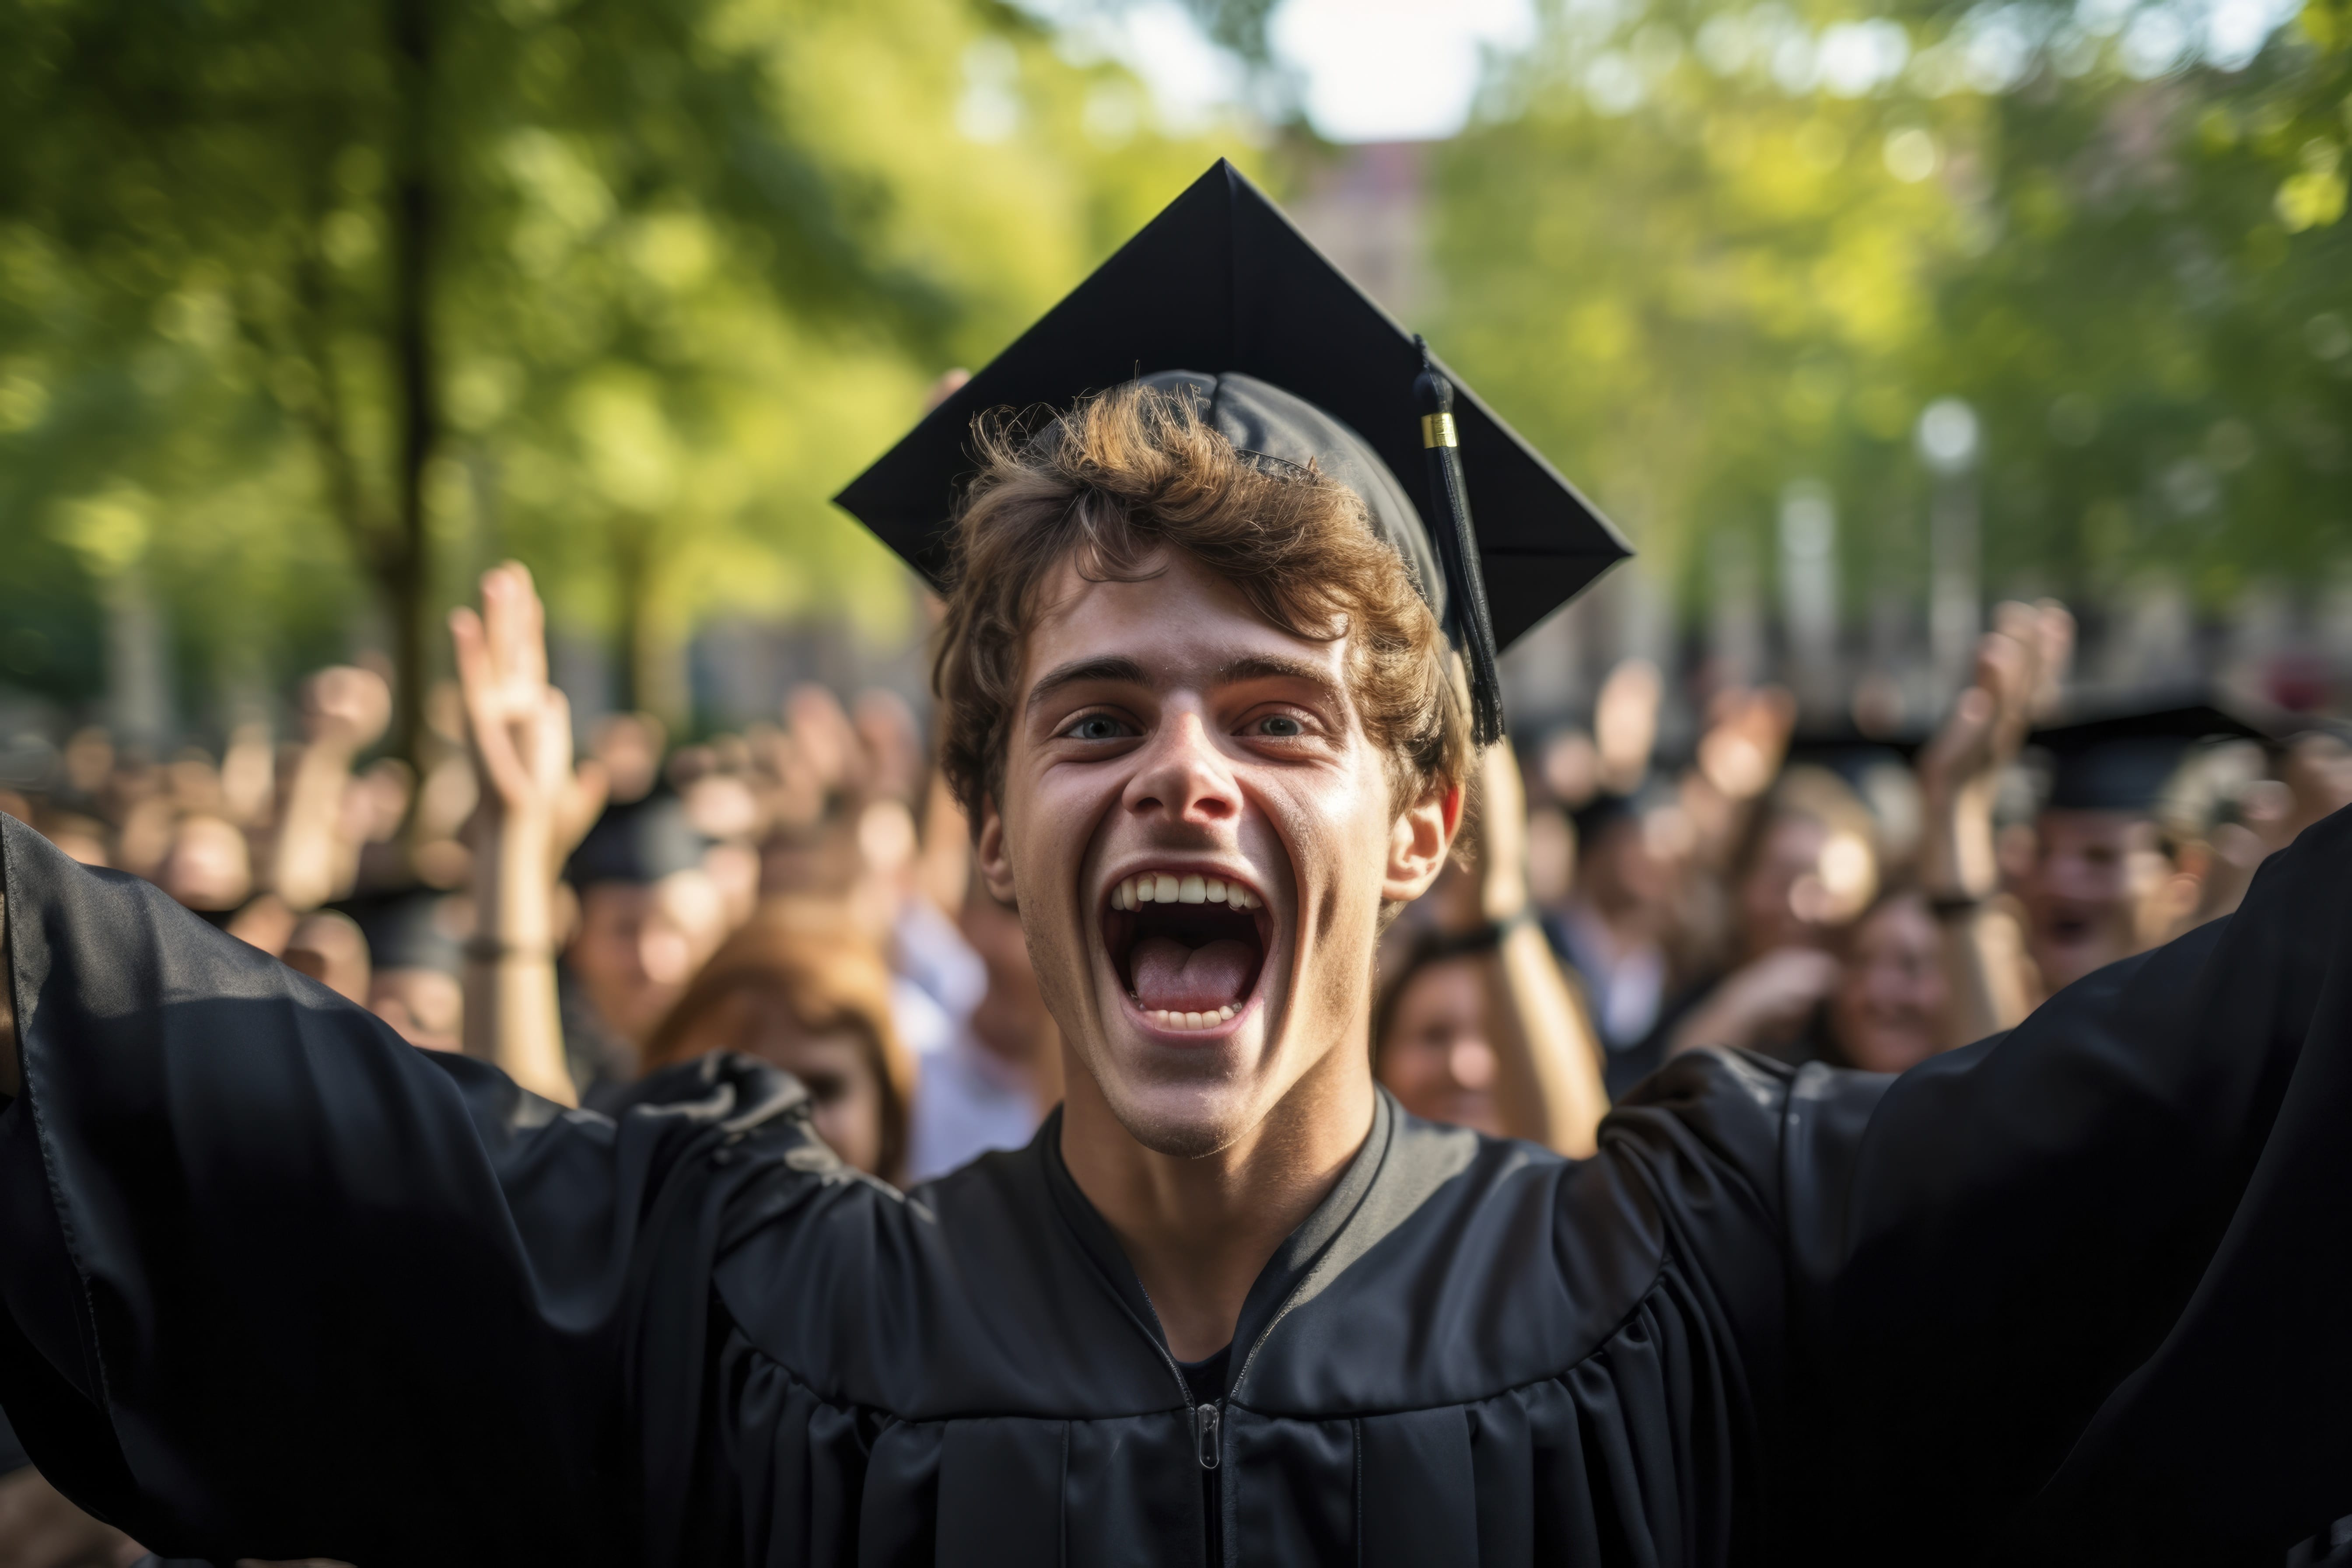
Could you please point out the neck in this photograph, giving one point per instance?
(1200, 1230)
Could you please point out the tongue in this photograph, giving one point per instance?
(1189, 979)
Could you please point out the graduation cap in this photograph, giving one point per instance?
(1855, 754)
(639, 841)
(2123, 760)
(1222, 299)
(409, 928)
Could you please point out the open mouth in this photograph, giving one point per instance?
(1187, 947)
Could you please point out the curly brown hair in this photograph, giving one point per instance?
(1134, 473)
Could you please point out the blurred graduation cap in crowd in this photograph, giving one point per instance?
(639, 841)
(409, 928)
(1221, 297)
(2123, 760)
(1853, 753)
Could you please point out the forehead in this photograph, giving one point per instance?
(1180, 625)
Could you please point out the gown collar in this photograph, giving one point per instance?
(1293, 1261)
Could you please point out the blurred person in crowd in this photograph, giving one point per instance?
(209, 868)
(998, 1070)
(83, 837)
(1429, 1036)
(649, 916)
(1477, 1025)
(329, 946)
(1807, 865)
(723, 807)
(815, 1003)
(629, 747)
(1890, 1007)
(414, 961)
(2104, 856)
(1613, 927)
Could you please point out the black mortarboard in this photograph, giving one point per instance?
(1296, 363)
(410, 928)
(1853, 753)
(637, 841)
(2123, 760)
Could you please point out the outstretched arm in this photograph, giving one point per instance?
(2085, 1281)
(237, 1213)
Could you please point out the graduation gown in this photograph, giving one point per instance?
(277, 1284)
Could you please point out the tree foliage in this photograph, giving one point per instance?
(1705, 252)
(307, 312)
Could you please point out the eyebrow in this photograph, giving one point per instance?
(1261, 667)
(1119, 669)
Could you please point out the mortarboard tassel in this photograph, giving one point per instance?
(1458, 546)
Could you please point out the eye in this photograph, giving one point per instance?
(1096, 727)
(1280, 726)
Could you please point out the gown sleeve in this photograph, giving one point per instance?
(276, 1284)
(2084, 1292)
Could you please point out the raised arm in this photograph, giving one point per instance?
(534, 809)
(2019, 665)
(344, 710)
(1550, 1088)
(276, 1284)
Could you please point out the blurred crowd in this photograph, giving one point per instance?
(801, 890)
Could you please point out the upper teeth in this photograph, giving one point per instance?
(1190, 888)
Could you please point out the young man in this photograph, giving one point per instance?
(2057, 1295)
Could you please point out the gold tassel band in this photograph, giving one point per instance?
(1437, 430)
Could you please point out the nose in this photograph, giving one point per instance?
(1182, 775)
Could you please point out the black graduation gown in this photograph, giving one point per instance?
(277, 1284)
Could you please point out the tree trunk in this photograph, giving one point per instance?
(651, 660)
(413, 209)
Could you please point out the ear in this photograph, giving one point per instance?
(1419, 841)
(988, 852)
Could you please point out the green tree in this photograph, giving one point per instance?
(627, 286)
(1704, 251)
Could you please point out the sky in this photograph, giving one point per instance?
(1393, 70)
(1368, 70)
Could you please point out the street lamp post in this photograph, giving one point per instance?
(1949, 440)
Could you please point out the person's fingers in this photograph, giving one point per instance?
(2005, 671)
(494, 750)
(471, 643)
(2056, 630)
(502, 612)
(534, 632)
(553, 736)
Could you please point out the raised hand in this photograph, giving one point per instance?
(534, 806)
(1747, 737)
(2021, 667)
(345, 706)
